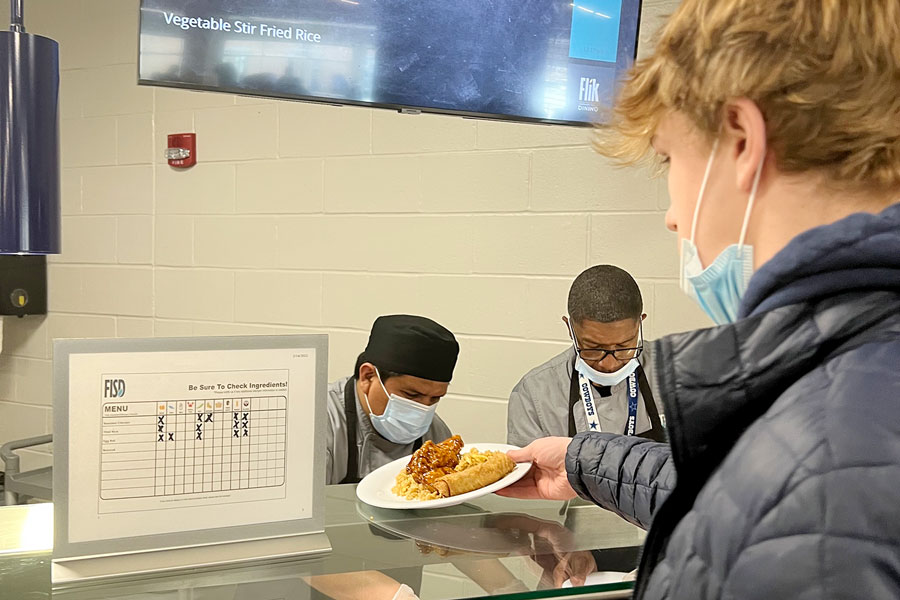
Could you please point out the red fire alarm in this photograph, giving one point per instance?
(182, 150)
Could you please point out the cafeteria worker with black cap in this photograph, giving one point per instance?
(386, 409)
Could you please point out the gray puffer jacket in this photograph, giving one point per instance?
(784, 434)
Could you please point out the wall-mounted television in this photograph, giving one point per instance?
(553, 61)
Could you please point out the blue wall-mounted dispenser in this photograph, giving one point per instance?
(29, 140)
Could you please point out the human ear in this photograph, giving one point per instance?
(366, 376)
(570, 332)
(745, 132)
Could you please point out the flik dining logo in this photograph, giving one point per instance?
(588, 90)
(113, 388)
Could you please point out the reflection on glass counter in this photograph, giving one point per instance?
(488, 547)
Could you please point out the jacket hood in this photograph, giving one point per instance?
(859, 252)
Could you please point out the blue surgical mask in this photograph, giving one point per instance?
(403, 421)
(608, 379)
(719, 287)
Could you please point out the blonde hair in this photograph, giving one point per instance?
(824, 73)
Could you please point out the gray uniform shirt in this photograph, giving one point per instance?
(539, 404)
(373, 450)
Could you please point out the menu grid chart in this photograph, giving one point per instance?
(171, 448)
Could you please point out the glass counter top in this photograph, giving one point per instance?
(490, 547)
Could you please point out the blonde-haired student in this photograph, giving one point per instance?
(778, 123)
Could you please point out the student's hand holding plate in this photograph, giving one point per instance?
(547, 479)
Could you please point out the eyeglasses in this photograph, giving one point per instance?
(619, 354)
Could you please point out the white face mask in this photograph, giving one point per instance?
(719, 287)
(608, 379)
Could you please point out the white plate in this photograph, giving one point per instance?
(375, 488)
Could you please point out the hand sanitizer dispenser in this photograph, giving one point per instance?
(23, 285)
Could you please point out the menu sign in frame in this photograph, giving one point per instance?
(174, 453)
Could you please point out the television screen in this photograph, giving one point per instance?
(526, 60)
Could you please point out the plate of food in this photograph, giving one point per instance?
(439, 475)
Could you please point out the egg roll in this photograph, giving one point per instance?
(497, 466)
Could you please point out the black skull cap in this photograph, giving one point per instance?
(412, 345)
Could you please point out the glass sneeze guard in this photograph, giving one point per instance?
(491, 547)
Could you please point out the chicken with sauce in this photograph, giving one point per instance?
(432, 461)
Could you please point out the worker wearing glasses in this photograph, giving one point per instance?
(601, 383)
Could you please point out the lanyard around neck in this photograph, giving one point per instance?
(586, 393)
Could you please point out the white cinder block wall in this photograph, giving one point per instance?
(306, 218)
